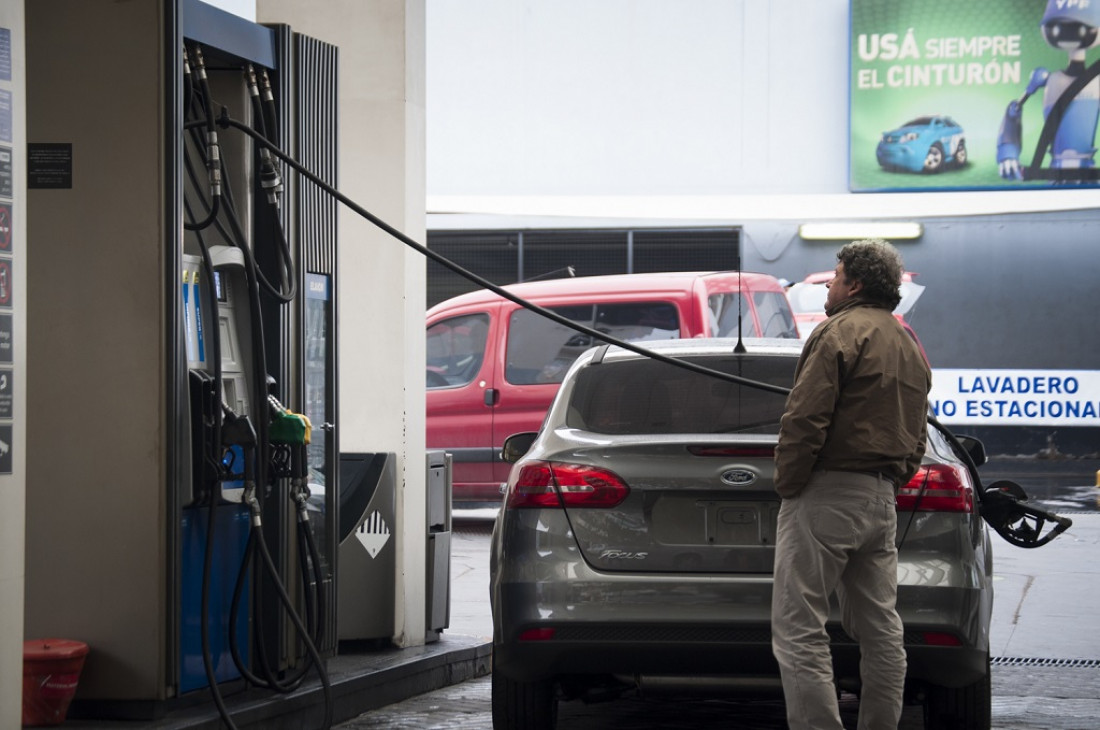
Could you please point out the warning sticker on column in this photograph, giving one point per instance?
(374, 533)
(5, 282)
(7, 391)
(5, 227)
(5, 448)
(6, 339)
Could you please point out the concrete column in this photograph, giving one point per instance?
(381, 283)
(13, 409)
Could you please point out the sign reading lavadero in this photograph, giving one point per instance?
(950, 95)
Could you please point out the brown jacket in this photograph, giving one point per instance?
(859, 403)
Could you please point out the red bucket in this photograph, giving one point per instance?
(51, 669)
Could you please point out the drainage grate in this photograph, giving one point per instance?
(1015, 661)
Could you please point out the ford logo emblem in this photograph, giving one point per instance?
(738, 477)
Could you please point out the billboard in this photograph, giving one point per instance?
(972, 95)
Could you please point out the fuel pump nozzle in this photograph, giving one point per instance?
(289, 434)
(1005, 507)
(238, 442)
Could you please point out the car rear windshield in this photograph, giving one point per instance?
(652, 397)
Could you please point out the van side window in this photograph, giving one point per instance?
(455, 350)
(724, 310)
(540, 350)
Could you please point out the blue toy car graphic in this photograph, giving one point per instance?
(925, 144)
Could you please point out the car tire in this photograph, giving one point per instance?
(960, 155)
(523, 705)
(960, 708)
(933, 161)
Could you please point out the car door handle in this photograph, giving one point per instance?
(492, 396)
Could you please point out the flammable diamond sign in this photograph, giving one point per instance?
(956, 95)
(373, 534)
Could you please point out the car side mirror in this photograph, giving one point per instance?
(975, 448)
(516, 445)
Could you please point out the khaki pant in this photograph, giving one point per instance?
(838, 535)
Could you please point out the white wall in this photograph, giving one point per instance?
(694, 110)
(636, 97)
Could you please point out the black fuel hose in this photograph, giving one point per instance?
(226, 121)
(256, 553)
(214, 159)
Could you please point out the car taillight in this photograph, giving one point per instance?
(554, 484)
(543, 634)
(937, 488)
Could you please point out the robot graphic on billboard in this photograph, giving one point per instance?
(1071, 100)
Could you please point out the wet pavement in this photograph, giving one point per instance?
(1044, 640)
(1023, 699)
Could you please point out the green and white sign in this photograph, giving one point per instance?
(931, 83)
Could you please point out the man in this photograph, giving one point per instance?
(854, 430)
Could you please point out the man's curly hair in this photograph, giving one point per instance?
(876, 264)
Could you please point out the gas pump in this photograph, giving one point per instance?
(263, 615)
(168, 295)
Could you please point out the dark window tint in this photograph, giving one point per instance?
(455, 350)
(505, 257)
(688, 250)
(489, 254)
(540, 350)
(588, 253)
(651, 397)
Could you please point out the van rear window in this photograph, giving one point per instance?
(540, 350)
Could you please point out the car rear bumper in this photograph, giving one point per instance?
(731, 650)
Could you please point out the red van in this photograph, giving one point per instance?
(493, 367)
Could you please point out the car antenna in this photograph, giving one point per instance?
(740, 348)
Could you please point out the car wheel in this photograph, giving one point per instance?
(960, 154)
(523, 705)
(934, 159)
(959, 708)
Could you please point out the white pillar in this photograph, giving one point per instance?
(381, 282)
(13, 409)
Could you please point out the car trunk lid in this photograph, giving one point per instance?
(702, 505)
